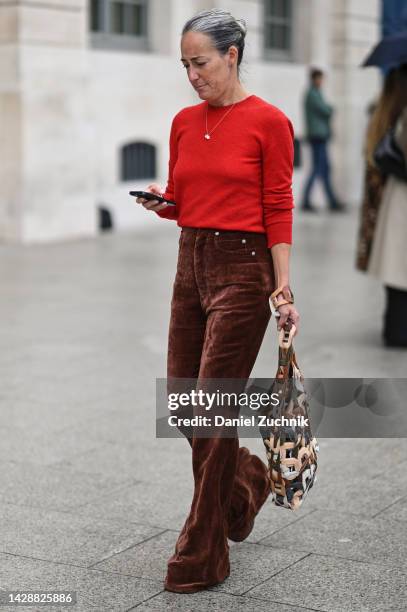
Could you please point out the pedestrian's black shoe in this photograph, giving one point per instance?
(395, 343)
(338, 207)
(308, 208)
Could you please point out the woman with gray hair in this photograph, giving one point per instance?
(230, 174)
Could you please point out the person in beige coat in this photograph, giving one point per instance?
(388, 257)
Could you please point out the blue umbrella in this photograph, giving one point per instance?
(390, 52)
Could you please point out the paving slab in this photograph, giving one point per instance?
(337, 585)
(64, 537)
(96, 590)
(252, 564)
(204, 601)
(271, 519)
(147, 503)
(343, 535)
(145, 560)
(146, 458)
(20, 444)
(41, 486)
(395, 512)
(49, 391)
(367, 456)
(35, 360)
(83, 336)
(359, 496)
(118, 424)
(39, 418)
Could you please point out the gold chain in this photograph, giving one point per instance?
(207, 133)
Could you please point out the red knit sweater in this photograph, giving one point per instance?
(241, 178)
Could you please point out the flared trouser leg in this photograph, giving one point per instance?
(219, 315)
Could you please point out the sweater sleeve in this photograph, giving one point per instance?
(319, 105)
(277, 166)
(171, 212)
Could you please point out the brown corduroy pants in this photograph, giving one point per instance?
(219, 315)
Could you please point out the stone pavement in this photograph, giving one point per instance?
(91, 501)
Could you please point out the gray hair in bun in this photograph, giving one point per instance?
(223, 29)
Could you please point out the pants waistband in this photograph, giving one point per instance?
(218, 232)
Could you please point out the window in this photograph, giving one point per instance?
(118, 23)
(278, 20)
(138, 161)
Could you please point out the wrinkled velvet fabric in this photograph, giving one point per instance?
(219, 315)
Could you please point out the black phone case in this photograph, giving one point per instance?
(151, 196)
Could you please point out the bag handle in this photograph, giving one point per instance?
(286, 335)
(286, 353)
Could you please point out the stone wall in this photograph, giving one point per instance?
(67, 108)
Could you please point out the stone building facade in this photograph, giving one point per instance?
(88, 91)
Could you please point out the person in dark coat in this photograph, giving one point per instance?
(381, 250)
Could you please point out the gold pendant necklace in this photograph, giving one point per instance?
(207, 133)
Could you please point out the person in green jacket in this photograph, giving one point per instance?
(318, 115)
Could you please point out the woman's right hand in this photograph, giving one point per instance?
(153, 205)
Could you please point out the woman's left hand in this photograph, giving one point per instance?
(288, 313)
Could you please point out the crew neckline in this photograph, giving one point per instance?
(229, 105)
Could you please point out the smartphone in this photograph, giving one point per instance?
(151, 196)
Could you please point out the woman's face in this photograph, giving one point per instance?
(209, 72)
